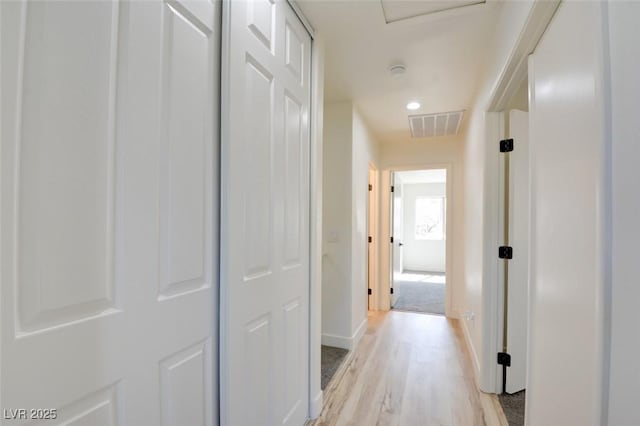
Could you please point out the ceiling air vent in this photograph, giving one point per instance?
(440, 124)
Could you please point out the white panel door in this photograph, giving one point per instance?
(397, 222)
(108, 235)
(569, 169)
(371, 229)
(518, 295)
(265, 216)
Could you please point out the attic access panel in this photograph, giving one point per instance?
(398, 10)
(439, 124)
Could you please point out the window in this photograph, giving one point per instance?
(430, 218)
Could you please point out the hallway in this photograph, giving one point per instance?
(408, 369)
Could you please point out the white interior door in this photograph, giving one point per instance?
(517, 300)
(570, 179)
(396, 232)
(371, 227)
(265, 215)
(108, 194)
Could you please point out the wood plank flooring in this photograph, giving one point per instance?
(409, 369)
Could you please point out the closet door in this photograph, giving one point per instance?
(108, 196)
(265, 216)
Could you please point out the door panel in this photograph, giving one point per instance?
(64, 234)
(109, 205)
(518, 295)
(265, 172)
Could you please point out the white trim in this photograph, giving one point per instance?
(303, 19)
(315, 223)
(225, 65)
(515, 69)
(345, 342)
(315, 408)
(474, 355)
(491, 324)
(355, 339)
(336, 341)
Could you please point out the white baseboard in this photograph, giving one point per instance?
(315, 407)
(336, 341)
(345, 342)
(472, 350)
(420, 268)
(359, 333)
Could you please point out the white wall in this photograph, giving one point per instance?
(364, 152)
(481, 199)
(624, 384)
(419, 154)
(349, 148)
(421, 255)
(337, 224)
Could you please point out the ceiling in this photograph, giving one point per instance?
(444, 51)
(423, 176)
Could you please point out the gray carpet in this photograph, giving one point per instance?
(419, 294)
(331, 358)
(513, 407)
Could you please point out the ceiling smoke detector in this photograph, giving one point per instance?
(397, 69)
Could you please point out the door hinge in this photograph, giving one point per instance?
(370, 187)
(392, 188)
(506, 145)
(391, 240)
(369, 292)
(504, 359)
(391, 290)
(370, 239)
(505, 252)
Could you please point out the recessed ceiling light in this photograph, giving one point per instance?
(412, 106)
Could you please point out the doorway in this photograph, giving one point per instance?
(419, 240)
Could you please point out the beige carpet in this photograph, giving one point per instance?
(331, 358)
(513, 407)
(420, 292)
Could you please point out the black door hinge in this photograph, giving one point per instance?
(369, 291)
(505, 252)
(370, 239)
(392, 188)
(370, 187)
(506, 145)
(391, 290)
(504, 359)
(391, 240)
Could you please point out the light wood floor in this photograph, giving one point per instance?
(409, 369)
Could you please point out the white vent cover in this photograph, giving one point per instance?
(440, 124)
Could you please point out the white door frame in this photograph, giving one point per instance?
(315, 222)
(385, 284)
(513, 73)
(315, 212)
(315, 199)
